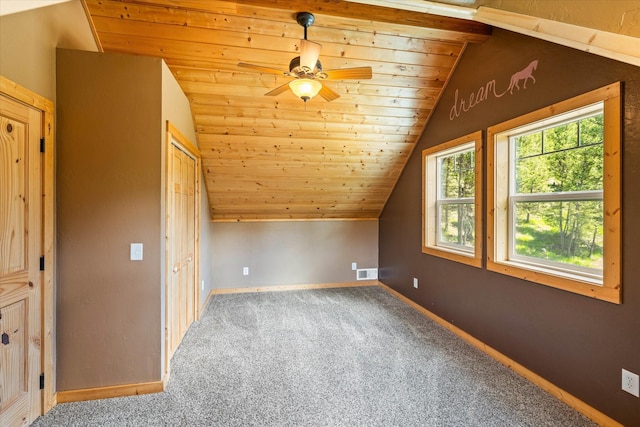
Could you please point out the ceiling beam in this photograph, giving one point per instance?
(610, 45)
(607, 44)
(474, 31)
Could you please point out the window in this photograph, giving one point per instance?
(553, 203)
(452, 216)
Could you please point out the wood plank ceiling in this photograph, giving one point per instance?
(265, 157)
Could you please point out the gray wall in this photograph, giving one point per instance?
(578, 343)
(288, 253)
(28, 42)
(206, 246)
(176, 109)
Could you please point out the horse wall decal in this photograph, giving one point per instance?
(490, 90)
(525, 75)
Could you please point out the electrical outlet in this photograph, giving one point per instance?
(245, 271)
(631, 383)
(354, 266)
(415, 282)
(202, 285)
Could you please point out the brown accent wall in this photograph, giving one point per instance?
(291, 252)
(578, 343)
(110, 167)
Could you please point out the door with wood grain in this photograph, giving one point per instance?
(181, 296)
(20, 251)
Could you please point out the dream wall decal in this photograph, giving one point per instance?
(462, 105)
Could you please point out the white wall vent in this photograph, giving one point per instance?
(367, 274)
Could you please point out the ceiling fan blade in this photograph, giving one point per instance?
(261, 68)
(309, 53)
(277, 91)
(358, 73)
(328, 94)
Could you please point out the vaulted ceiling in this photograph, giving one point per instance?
(273, 157)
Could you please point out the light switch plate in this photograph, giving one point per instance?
(136, 252)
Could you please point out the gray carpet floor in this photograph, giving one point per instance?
(329, 357)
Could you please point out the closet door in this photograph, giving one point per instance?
(181, 295)
(189, 248)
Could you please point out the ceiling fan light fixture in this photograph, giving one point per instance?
(305, 89)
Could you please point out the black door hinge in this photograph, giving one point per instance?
(41, 381)
(42, 145)
(42, 263)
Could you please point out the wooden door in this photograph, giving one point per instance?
(181, 295)
(189, 245)
(20, 251)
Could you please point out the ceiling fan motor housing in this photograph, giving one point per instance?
(296, 70)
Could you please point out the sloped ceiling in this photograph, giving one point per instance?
(267, 157)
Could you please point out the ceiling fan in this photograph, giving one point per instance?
(307, 70)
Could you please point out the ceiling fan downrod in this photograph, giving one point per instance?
(305, 19)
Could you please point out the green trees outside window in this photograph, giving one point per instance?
(452, 200)
(557, 193)
(554, 200)
(456, 185)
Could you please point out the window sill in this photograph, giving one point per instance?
(453, 255)
(566, 281)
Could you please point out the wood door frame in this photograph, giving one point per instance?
(173, 134)
(32, 99)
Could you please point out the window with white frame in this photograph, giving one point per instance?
(452, 199)
(554, 195)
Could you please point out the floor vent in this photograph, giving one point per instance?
(367, 274)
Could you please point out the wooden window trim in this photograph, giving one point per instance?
(429, 172)
(497, 257)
